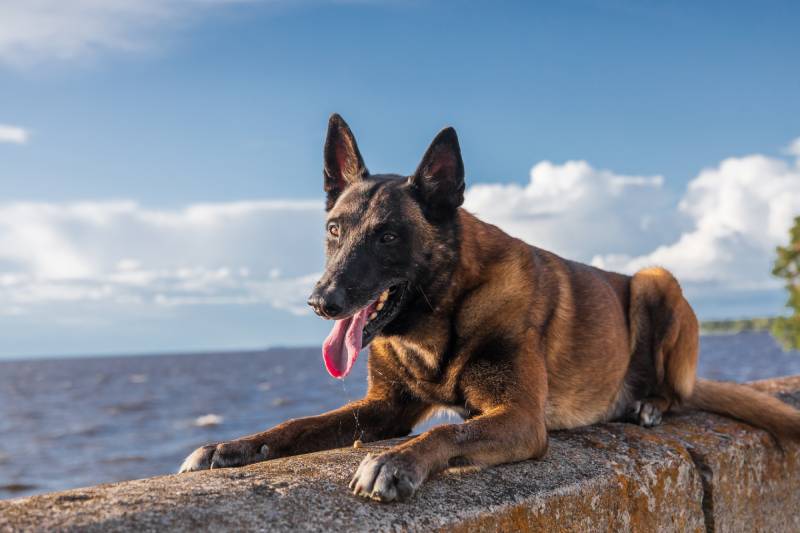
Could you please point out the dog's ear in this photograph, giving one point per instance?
(439, 178)
(343, 162)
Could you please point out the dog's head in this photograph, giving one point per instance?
(386, 235)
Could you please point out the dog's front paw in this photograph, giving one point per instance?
(645, 413)
(225, 455)
(387, 477)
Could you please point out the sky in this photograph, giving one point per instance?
(160, 160)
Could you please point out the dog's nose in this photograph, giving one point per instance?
(328, 304)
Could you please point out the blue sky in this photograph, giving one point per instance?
(120, 114)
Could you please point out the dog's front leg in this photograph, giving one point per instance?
(505, 435)
(511, 427)
(372, 418)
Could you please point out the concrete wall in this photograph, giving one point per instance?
(696, 472)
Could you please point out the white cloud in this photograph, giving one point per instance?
(579, 211)
(35, 30)
(114, 275)
(120, 253)
(794, 148)
(13, 134)
(739, 212)
(719, 238)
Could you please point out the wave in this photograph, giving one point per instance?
(208, 420)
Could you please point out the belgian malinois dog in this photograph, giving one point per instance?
(460, 315)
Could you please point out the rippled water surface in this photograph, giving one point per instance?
(75, 422)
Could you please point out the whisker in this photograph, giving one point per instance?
(426, 297)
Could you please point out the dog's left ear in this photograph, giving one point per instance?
(439, 178)
(343, 162)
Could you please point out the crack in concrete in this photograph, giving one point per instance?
(707, 480)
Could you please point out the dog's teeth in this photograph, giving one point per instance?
(373, 316)
(384, 295)
(379, 306)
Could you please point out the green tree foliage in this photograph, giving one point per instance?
(787, 266)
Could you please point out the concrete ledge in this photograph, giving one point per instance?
(697, 472)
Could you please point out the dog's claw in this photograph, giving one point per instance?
(645, 413)
(650, 415)
(386, 478)
(200, 459)
(224, 455)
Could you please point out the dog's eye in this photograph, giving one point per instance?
(388, 237)
(333, 230)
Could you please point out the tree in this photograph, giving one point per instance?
(787, 266)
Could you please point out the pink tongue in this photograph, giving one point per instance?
(341, 348)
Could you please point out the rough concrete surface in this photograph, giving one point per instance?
(696, 471)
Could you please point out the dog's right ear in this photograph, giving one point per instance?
(343, 163)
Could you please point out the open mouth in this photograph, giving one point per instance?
(340, 350)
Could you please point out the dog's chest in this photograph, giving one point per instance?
(426, 372)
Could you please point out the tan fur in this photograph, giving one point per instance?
(662, 320)
(748, 405)
(582, 338)
(519, 341)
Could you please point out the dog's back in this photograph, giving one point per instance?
(615, 346)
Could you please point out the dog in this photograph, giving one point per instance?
(459, 315)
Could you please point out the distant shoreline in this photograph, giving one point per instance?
(707, 327)
(720, 327)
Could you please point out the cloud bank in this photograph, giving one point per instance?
(739, 212)
(225, 274)
(123, 254)
(723, 230)
(37, 30)
(34, 31)
(578, 211)
(719, 237)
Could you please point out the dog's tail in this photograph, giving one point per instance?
(748, 405)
